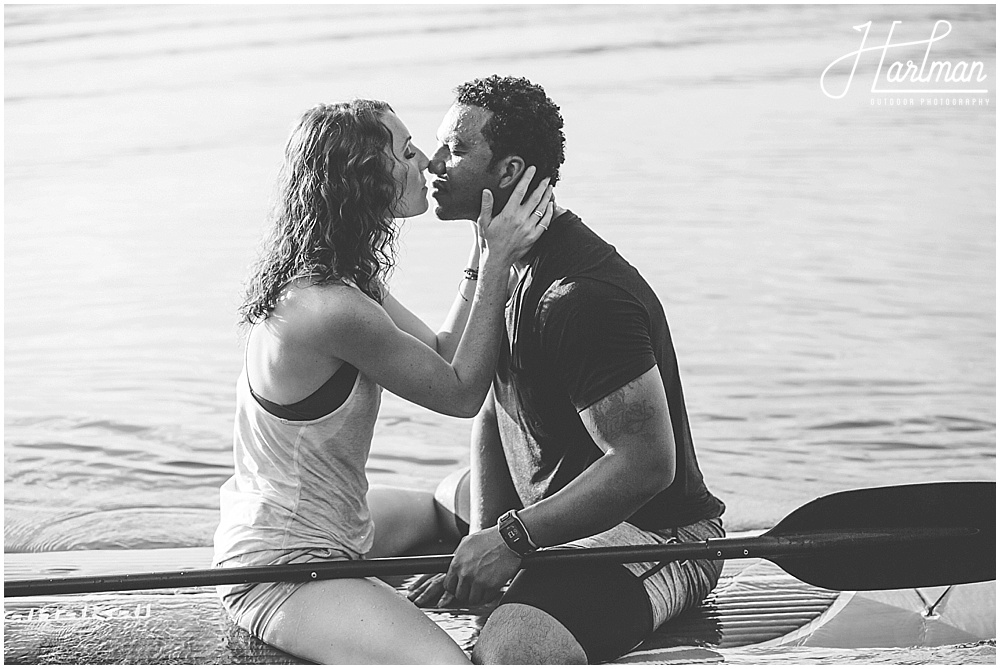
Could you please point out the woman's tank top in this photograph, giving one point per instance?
(299, 484)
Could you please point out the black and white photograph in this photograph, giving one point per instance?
(478, 333)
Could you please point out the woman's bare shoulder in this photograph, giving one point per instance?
(329, 309)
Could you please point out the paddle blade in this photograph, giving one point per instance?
(910, 563)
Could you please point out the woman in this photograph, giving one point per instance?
(325, 337)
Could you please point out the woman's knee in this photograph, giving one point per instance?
(403, 519)
(452, 505)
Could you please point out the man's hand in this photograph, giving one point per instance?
(483, 564)
(427, 590)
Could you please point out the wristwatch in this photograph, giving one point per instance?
(514, 534)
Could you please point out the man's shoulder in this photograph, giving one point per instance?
(578, 264)
(570, 247)
(582, 287)
(584, 299)
(570, 225)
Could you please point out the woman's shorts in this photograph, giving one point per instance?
(253, 605)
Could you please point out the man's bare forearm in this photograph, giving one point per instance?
(491, 491)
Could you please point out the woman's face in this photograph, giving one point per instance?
(409, 164)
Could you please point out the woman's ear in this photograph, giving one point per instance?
(511, 169)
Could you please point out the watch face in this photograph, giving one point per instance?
(511, 533)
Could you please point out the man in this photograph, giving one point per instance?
(584, 440)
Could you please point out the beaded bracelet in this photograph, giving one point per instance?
(471, 274)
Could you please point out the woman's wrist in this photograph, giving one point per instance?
(476, 247)
(491, 265)
(470, 277)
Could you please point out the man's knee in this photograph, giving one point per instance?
(522, 634)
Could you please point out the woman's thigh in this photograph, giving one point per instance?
(358, 621)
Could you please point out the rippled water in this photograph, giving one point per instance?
(827, 266)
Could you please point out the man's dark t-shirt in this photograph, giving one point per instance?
(581, 324)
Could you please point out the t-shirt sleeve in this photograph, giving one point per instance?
(596, 337)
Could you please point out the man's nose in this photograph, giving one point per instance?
(436, 163)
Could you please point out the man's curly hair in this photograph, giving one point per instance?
(524, 122)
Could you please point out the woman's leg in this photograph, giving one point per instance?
(358, 621)
(404, 519)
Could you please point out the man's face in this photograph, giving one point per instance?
(461, 164)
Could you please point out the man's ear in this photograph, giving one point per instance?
(511, 169)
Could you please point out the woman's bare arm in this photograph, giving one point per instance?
(364, 334)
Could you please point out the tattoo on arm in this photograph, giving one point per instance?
(619, 414)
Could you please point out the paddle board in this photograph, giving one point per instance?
(756, 605)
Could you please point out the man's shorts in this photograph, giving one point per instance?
(610, 609)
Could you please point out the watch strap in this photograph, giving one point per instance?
(515, 534)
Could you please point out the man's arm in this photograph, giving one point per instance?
(491, 490)
(632, 426)
(491, 493)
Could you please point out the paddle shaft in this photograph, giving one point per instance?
(763, 546)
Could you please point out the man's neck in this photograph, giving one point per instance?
(522, 262)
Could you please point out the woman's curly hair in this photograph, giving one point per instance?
(332, 219)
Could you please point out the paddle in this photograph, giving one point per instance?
(906, 536)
